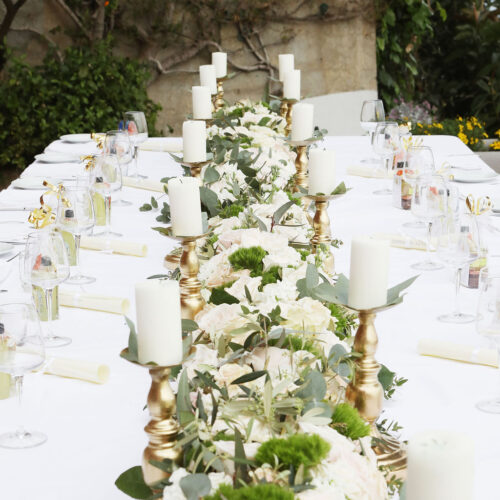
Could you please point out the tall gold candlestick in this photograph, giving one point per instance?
(286, 113)
(162, 429)
(191, 300)
(366, 394)
(301, 162)
(322, 231)
(219, 97)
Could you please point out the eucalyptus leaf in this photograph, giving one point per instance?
(210, 200)
(131, 482)
(189, 325)
(260, 223)
(312, 276)
(340, 189)
(280, 212)
(313, 388)
(249, 377)
(393, 294)
(184, 407)
(195, 486)
(211, 175)
(132, 354)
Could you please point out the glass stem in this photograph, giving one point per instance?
(136, 162)
(18, 382)
(107, 204)
(456, 309)
(48, 303)
(78, 271)
(428, 240)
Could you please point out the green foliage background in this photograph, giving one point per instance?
(87, 91)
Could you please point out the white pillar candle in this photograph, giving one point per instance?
(440, 466)
(159, 327)
(291, 85)
(185, 206)
(207, 77)
(202, 103)
(219, 60)
(286, 63)
(368, 275)
(302, 121)
(321, 171)
(194, 141)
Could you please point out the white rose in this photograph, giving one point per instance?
(283, 258)
(306, 314)
(174, 491)
(218, 478)
(204, 359)
(229, 372)
(237, 289)
(221, 320)
(227, 448)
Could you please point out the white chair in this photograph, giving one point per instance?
(339, 113)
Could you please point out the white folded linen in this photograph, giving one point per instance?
(82, 149)
(401, 241)
(94, 301)
(116, 246)
(458, 352)
(75, 368)
(165, 144)
(147, 184)
(368, 171)
(54, 170)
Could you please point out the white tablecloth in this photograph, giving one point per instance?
(96, 431)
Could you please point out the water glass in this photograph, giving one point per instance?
(137, 128)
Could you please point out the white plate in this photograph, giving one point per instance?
(31, 183)
(76, 138)
(5, 248)
(474, 176)
(51, 157)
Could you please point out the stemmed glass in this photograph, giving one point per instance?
(419, 161)
(106, 178)
(488, 321)
(21, 351)
(429, 203)
(117, 143)
(386, 143)
(46, 265)
(372, 112)
(137, 129)
(76, 216)
(458, 244)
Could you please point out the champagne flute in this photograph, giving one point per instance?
(21, 351)
(117, 143)
(372, 112)
(106, 178)
(419, 161)
(429, 203)
(458, 244)
(76, 217)
(488, 321)
(137, 128)
(386, 143)
(46, 265)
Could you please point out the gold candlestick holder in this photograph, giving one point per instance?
(191, 300)
(366, 394)
(219, 97)
(322, 230)
(195, 168)
(162, 429)
(286, 113)
(301, 163)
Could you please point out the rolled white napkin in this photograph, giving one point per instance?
(147, 184)
(368, 171)
(401, 241)
(458, 352)
(116, 246)
(79, 369)
(162, 144)
(94, 301)
(5, 381)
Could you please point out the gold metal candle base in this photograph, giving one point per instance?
(195, 167)
(162, 429)
(219, 97)
(366, 394)
(301, 168)
(322, 231)
(286, 113)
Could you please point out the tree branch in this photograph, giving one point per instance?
(74, 16)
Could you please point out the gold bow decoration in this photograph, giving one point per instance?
(480, 206)
(411, 141)
(89, 161)
(445, 171)
(43, 216)
(98, 137)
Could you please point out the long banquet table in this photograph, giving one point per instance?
(95, 432)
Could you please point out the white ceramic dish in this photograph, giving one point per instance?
(474, 176)
(52, 157)
(76, 138)
(29, 183)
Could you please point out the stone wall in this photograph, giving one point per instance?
(333, 56)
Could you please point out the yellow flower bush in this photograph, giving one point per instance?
(469, 130)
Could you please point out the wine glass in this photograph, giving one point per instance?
(419, 161)
(458, 243)
(46, 266)
(21, 351)
(106, 178)
(117, 143)
(386, 143)
(372, 112)
(429, 203)
(137, 128)
(75, 216)
(488, 321)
